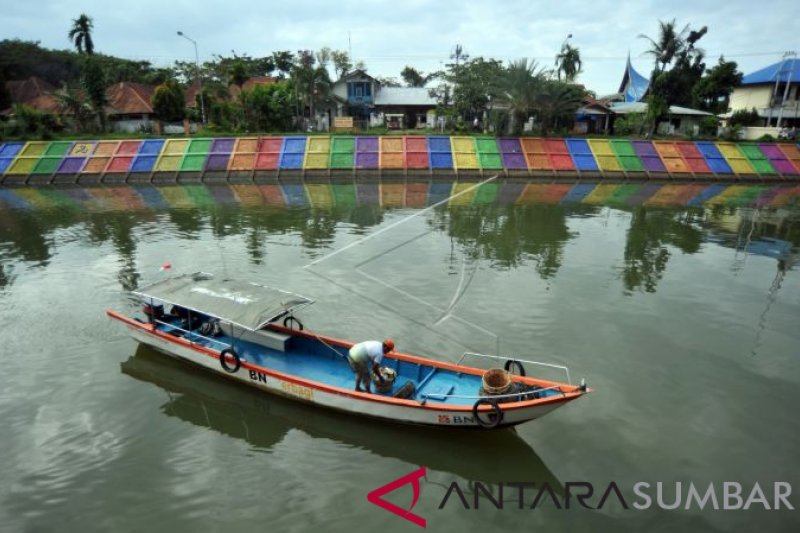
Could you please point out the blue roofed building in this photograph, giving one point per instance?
(634, 86)
(774, 92)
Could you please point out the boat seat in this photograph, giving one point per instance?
(437, 392)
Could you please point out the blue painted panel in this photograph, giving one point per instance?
(151, 147)
(438, 192)
(709, 150)
(294, 145)
(439, 144)
(578, 147)
(719, 166)
(294, 194)
(584, 162)
(5, 162)
(144, 163)
(441, 160)
(11, 149)
(291, 161)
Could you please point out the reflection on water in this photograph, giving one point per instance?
(263, 420)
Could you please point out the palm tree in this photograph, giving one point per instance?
(670, 43)
(568, 61)
(519, 90)
(81, 34)
(557, 102)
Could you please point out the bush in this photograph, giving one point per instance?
(745, 118)
(709, 126)
(633, 123)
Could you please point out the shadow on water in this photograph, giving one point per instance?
(263, 420)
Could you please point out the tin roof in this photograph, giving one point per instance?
(388, 96)
(789, 69)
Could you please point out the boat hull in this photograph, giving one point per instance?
(363, 404)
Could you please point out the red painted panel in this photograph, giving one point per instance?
(267, 161)
(417, 159)
(556, 146)
(562, 162)
(120, 164)
(270, 145)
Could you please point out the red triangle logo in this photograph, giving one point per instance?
(376, 496)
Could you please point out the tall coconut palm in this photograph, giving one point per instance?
(670, 43)
(519, 90)
(568, 62)
(81, 34)
(556, 104)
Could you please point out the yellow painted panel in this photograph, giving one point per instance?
(600, 147)
(465, 198)
(391, 144)
(168, 163)
(23, 165)
(730, 151)
(246, 145)
(608, 162)
(106, 148)
(741, 166)
(82, 149)
(319, 195)
(463, 144)
(34, 149)
(175, 146)
(316, 160)
(319, 144)
(465, 160)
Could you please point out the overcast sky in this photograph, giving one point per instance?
(389, 34)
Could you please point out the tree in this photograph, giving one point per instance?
(521, 83)
(311, 81)
(416, 78)
(73, 102)
(341, 63)
(268, 107)
(284, 61)
(94, 83)
(712, 93)
(568, 62)
(168, 102)
(556, 104)
(81, 34)
(670, 42)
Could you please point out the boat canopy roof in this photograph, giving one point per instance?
(246, 304)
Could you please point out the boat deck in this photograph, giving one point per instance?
(317, 361)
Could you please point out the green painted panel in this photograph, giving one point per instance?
(193, 163)
(490, 161)
(751, 151)
(199, 146)
(622, 147)
(762, 166)
(58, 148)
(343, 145)
(341, 160)
(487, 145)
(631, 163)
(47, 165)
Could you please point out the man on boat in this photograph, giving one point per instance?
(365, 359)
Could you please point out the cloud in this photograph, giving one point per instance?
(388, 34)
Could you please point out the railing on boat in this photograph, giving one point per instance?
(192, 335)
(494, 396)
(500, 358)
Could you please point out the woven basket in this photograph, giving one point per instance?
(496, 381)
(386, 385)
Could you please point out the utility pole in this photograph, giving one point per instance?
(197, 75)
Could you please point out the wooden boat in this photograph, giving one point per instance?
(248, 332)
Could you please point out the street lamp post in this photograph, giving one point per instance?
(197, 74)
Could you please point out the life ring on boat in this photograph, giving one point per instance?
(513, 362)
(289, 319)
(237, 360)
(494, 418)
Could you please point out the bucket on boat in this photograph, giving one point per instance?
(388, 375)
(496, 381)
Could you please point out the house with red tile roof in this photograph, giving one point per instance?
(33, 92)
(129, 107)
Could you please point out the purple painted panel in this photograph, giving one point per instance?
(653, 164)
(644, 149)
(367, 160)
(71, 165)
(223, 145)
(771, 151)
(514, 161)
(217, 161)
(510, 146)
(783, 166)
(367, 144)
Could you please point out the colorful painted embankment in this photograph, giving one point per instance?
(257, 157)
(395, 194)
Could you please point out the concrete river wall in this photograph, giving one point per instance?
(449, 157)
